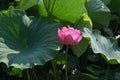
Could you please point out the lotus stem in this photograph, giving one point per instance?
(66, 64)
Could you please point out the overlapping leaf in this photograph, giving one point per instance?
(79, 49)
(65, 10)
(106, 46)
(98, 12)
(26, 4)
(25, 43)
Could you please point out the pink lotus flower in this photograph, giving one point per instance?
(69, 35)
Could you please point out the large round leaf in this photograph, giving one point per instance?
(65, 10)
(98, 12)
(106, 46)
(25, 43)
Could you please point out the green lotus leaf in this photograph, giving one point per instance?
(26, 42)
(26, 4)
(114, 6)
(64, 10)
(98, 12)
(80, 48)
(106, 46)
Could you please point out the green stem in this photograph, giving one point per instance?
(34, 74)
(107, 72)
(28, 74)
(55, 70)
(66, 65)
